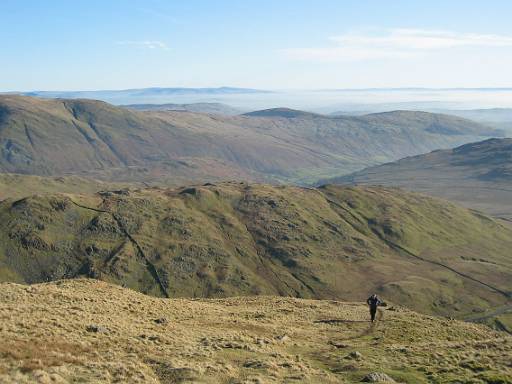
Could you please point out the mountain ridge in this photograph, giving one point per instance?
(98, 140)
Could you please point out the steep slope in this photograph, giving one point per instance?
(91, 332)
(239, 239)
(55, 137)
(477, 175)
(95, 139)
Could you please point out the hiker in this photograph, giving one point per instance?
(373, 302)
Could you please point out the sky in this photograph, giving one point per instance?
(120, 44)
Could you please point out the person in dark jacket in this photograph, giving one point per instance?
(373, 302)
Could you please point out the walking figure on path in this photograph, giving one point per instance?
(373, 302)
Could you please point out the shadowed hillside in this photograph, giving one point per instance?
(96, 139)
(240, 239)
(477, 175)
(89, 331)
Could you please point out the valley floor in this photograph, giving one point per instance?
(90, 331)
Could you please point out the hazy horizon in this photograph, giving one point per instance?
(287, 45)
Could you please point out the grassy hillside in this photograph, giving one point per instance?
(91, 332)
(18, 186)
(477, 175)
(95, 139)
(240, 239)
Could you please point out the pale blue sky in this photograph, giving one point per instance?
(101, 44)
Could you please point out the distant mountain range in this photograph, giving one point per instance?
(155, 95)
(100, 94)
(93, 138)
(477, 175)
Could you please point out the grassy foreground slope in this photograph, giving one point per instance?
(243, 239)
(91, 332)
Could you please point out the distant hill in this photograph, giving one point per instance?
(213, 108)
(500, 118)
(478, 175)
(489, 114)
(287, 113)
(234, 239)
(55, 137)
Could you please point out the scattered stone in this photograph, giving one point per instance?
(377, 377)
(124, 192)
(283, 338)
(162, 321)
(338, 345)
(355, 355)
(256, 364)
(97, 329)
